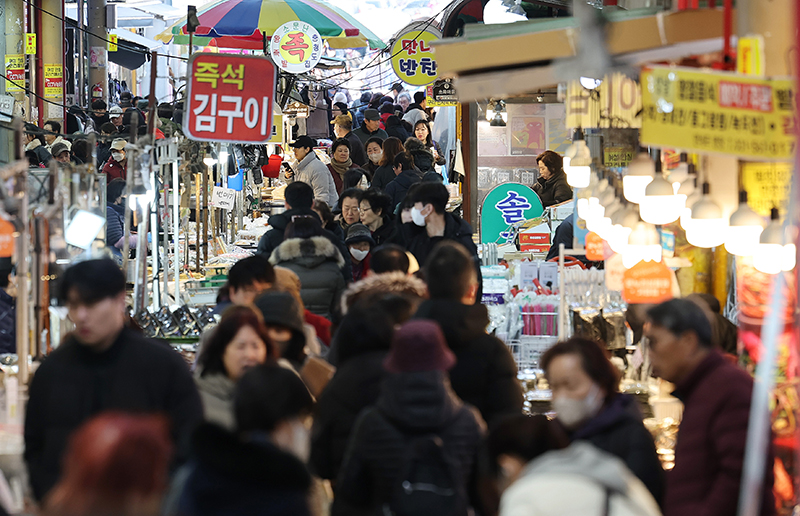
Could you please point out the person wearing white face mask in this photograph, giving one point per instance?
(359, 242)
(261, 467)
(374, 149)
(117, 165)
(589, 406)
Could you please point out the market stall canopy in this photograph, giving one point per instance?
(135, 15)
(484, 67)
(133, 50)
(244, 23)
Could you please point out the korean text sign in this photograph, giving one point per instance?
(296, 47)
(719, 112)
(230, 98)
(412, 56)
(507, 205)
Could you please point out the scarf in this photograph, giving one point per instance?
(340, 167)
(33, 144)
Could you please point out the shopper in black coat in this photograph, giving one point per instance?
(552, 184)
(586, 398)
(406, 175)
(485, 374)
(416, 399)
(102, 366)
(395, 127)
(362, 343)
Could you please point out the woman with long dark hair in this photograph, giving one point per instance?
(384, 174)
(422, 130)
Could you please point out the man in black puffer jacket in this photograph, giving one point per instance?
(416, 399)
(485, 375)
(299, 198)
(423, 159)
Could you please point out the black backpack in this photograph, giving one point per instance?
(429, 482)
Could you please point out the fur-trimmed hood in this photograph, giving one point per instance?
(396, 282)
(308, 252)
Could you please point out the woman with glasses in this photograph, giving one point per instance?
(348, 208)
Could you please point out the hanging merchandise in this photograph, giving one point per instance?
(644, 244)
(707, 228)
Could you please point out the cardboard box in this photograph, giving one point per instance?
(535, 239)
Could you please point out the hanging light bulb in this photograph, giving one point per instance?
(605, 226)
(744, 230)
(640, 174)
(598, 209)
(623, 223)
(644, 244)
(707, 227)
(578, 162)
(776, 250)
(595, 209)
(660, 205)
(680, 173)
(694, 194)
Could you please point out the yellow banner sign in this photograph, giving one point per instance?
(750, 55)
(30, 43)
(616, 102)
(767, 185)
(53, 81)
(718, 112)
(113, 39)
(412, 56)
(15, 72)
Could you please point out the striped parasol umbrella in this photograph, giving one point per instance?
(245, 23)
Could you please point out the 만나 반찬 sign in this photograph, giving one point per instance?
(718, 112)
(412, 55)
(230, 98)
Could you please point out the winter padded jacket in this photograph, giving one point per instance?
(394, 127)
(410, 405)
(618, 429)
(230, 476)
(387, 233)
(357, 152)
(554, 190)
(75, 383)
(314, 173)
(485, 374)
(115, 226)
(216, 392)
(354, 387)
(398, 188)
(709, 455)
(8, 322)
(318, 264)
(278, 223)
(581, 480)
(383, 176)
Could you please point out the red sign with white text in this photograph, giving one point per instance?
(230, 98)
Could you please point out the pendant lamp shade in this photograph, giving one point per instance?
(707, 227)
(641, 172)
(660, 204)
(744, 229)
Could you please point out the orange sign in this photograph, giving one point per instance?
(6, 239)
(594, 247)
(647, 282)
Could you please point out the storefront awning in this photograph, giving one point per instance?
(132, 49)
(516, 58)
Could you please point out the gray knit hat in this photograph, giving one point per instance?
(359, 233)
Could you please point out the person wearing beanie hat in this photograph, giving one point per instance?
(285, 326)
(415, 400)
(359, 242)
(361, 107)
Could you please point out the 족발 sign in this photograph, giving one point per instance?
(53, 81)
(647, 282)
(718, 112)
(15, 72)
(412, 56)
(441, 93)
(30, 43)
(230, 98)
(296, 47)
(616, 103)
(505, 205)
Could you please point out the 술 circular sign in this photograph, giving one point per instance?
(296, 47)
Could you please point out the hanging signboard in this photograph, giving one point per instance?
(113, 41)
(718, 112)
(750, 55)
(53, 81)
(6, 239)
(616, 103)
(15, 72)
(296, 47)
(441, 93)
(30, 43)
(296, 109)
(230, 98)
(767, 185)
(223, 198)
(647, 282)
(504, 205)
(412, 55)
(595, 247)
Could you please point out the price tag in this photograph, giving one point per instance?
(223, 198)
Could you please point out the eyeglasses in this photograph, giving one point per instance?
(364, 210)
(351, 210)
